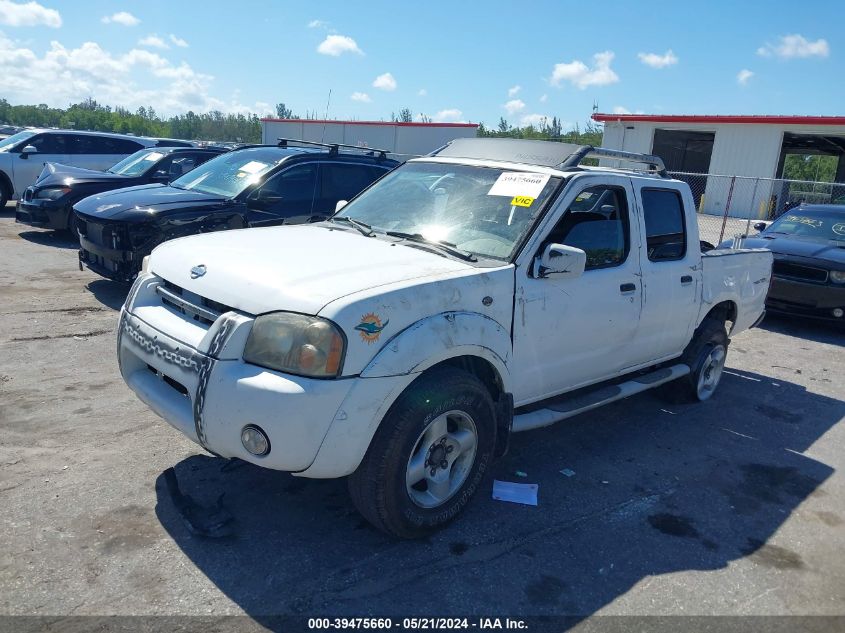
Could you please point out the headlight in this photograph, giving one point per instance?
(145, 264)
(296, 344)
(52, 193)
(837, 276)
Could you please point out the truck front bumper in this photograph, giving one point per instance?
(211, 400)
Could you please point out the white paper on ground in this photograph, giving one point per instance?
(515, 493)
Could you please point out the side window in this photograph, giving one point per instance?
(48, 143)
(666, 236)
(597, 223)
(290, 192)
(179, 164)
(344, 181)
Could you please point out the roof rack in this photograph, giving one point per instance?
(654, 163)
(334, 148)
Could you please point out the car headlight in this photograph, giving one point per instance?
(296, 344)
(837, 276)
(52, 193)
(145, 264)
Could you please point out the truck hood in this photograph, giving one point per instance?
(58, 174)
(295, 268)
(150, 200)
(797, 246)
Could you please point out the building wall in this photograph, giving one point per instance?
(403, 141)
(739, 150)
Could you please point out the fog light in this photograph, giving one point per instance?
(838, 312)
(255, 440)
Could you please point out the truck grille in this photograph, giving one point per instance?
(788, 270)
(192, 305)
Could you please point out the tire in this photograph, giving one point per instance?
(428, 429)
(72, 226)
(4, 196)
(705, 355)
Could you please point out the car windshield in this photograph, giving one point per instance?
(480, 210)
(229, 174)
(136, 164)
(825, 224)
(14, 139)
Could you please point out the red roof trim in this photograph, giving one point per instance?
(722, 118)
(395, 123)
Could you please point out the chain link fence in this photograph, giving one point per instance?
(729, 205)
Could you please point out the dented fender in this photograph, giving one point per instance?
(440, 337)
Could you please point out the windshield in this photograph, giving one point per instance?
(14, 139)
(818, 223)
(480, 210)
(229, 174)
(136, 164)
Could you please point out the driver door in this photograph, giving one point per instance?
(286, 197)
(51, 148)
(572, 332)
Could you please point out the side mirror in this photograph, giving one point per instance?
(560, 260)
(340, 204)
(27, 150)
(761, 226)
(161, 176)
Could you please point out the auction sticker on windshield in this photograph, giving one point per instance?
(251, 167)
(521, 184)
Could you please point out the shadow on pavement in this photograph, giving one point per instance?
(656, 489)
(110, 293)
(810, 329)
(56, 239)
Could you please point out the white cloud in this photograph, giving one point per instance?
(743, 76)
(337, 45)
(422, 92)
(363, 97)
(121, 17)
(317, 24)
(544, 98)
(178, 41)
(537, 120)
(514, 90)
(659, 61)
(791, 46)
(28, 14)
(513, 106)
(140, 77)
(153, 41)
(623, 110)
(448, 115)
(581, 76)
(385, 82)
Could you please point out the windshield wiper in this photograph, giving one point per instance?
(445, 246)
(362, 227)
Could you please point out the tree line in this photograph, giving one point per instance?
(244, 128)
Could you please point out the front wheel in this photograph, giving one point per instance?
(428, 456)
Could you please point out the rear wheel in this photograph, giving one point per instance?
(428, 456)
(706, 356)
(73, 225)
(4, 196)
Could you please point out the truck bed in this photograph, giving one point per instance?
(738, 275)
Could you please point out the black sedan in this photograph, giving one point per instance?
(49, 202)
(253, 186)
(808, 276)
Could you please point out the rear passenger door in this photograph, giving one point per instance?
(99, 152)
(670, 274)
(342, 181)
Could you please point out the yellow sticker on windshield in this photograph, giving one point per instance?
(522, 201)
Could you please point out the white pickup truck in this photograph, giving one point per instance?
(493, 286)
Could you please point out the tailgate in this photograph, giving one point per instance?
(738, 275)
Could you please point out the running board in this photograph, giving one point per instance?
(569, 407)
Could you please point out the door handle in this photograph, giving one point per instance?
(627, 287)
(686, 279)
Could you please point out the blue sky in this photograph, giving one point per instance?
(452, 61)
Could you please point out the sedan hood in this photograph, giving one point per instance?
(146, 199)
(297, 268)
(58, 174)
(795, 246)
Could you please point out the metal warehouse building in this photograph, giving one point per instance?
(735, 164)
(403, 140)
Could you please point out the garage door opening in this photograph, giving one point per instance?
(816, 161)
(687, 152)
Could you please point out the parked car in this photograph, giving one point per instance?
(466, 295)
(808, 277)
(23, 155)
(48, 203)
(253, 186)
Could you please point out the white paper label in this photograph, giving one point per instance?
(517, 183)
(252, 167)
